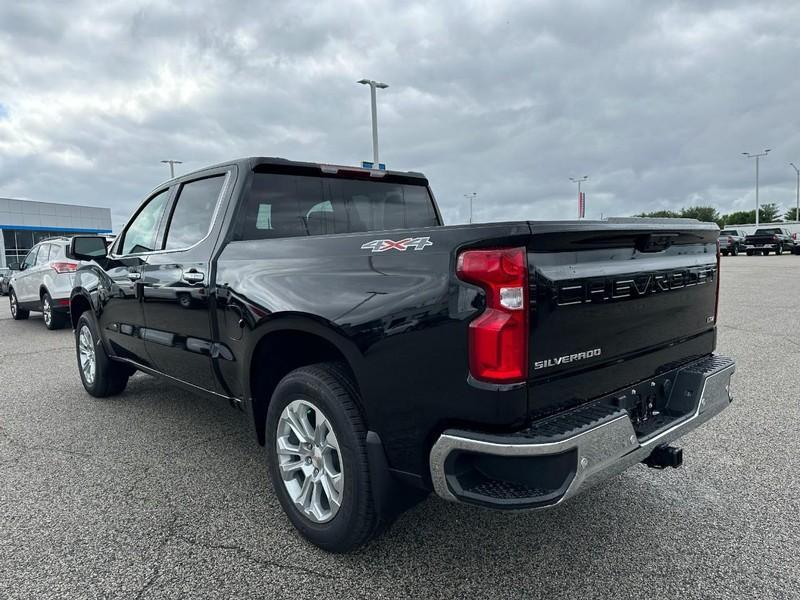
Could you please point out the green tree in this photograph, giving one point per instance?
(660, 214)
(740, 217)
(769, 213)
(708, 214)
(791, 215)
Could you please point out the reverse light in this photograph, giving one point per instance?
(64, 267)
(498, 337)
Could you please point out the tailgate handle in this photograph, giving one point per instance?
(655, 242)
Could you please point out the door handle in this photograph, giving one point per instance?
(193, 276)
(134, 276)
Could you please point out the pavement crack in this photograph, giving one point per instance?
(254, 559)
(156, 574)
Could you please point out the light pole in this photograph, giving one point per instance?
(797, 213)
(579, 181)
(471, 197)
(172, 164)
(757, 157)
(372, 86)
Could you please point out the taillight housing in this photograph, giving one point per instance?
(64, 267)
(730, 239)
(774, 238)
(498, 337)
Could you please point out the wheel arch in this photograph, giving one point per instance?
(287, 343)
(79, 303)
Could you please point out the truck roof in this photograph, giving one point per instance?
(251, 162)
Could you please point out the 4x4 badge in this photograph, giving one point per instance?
(419, 243)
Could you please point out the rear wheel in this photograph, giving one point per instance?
(316, 442)
(52, 318)
(765, 252)
(735, 250)
(749, 252)
(779, 250)
(17, 313)
(723, 252)
(100, 375)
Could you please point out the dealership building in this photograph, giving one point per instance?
(24, 223)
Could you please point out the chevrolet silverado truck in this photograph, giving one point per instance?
(380, 355)
(769, 239)
(730, 241)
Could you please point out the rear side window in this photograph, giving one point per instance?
(193, 212)
(141, 233)
(57, 251)
(282, 205)
(44, 253)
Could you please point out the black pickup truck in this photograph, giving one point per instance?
(381, 355)
(769, 239)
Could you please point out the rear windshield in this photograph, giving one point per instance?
(767, 231)
(728, 232)
(284, 205)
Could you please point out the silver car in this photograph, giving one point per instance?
(5, 280)
(44, 283)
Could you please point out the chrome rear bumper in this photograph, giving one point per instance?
(543, 466)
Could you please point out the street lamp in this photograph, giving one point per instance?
(471, 197)
(372, 86)
(579, 181)
(757, 157)
(172, 164)
(797, 213)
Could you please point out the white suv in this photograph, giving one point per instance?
(44, 283)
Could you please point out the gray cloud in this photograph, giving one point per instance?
(654, 101)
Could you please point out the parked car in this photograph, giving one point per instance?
(5, 279)
(44, 283)
(730, 241)
(769, 239)
(380, 355)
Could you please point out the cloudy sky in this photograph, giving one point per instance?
(655, 101)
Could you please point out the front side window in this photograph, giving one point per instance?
(284, 205)
(141, 233)
(30, 259)
(194, 209)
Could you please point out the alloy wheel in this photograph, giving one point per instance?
(87, 354)
(47, 311)
(310, 461)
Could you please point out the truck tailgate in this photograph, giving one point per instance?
(616, 303)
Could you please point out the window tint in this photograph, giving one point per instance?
(728, 232)
(294, 205)
(57, 251)
(191, 217)
(141, 233)
(44, 254)
(30, 259)
(767, 231)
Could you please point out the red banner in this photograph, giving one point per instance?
(582, 205)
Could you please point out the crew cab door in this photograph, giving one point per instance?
(122, 318)
(176, 283)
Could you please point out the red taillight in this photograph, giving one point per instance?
(730, 239)
(794, 235)
(716, 301)
(64, 267)
(498, 338)
(774, 238)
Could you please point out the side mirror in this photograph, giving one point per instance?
(87, 247)
(13, 265)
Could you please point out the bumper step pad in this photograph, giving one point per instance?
(555, 457)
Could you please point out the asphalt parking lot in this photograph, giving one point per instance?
(158, 494)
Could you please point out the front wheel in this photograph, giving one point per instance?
(779, 250)
(101, 376)
(316, 442)
(735, 250)
(749, 252)
(17, 313)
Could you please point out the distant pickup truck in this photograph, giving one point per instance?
(380, 355)
(731, 241)
(770, 239)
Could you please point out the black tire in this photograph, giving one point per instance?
(328, 387)
(749, 252)
(735, 250)
(723, 252)
(779, 250)
(110, 377)
(17, 313)
(765, 252)
(52, 319)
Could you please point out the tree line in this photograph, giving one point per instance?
(767, 213)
